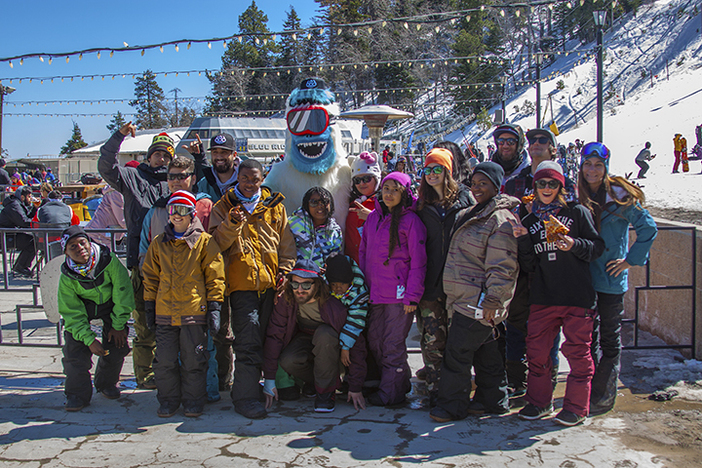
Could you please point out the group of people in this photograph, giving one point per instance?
(308, 303)
(18, 179)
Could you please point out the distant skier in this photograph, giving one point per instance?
(641, 158)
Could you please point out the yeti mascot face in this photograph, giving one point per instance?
(312, 138)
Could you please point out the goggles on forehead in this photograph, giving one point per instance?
(308, 121)
(594, 149)
(180, 210)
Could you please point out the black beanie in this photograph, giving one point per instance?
(71, 232)
(339, 269)
(492, 171)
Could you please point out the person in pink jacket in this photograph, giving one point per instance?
(393, 257)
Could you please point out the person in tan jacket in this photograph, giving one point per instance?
(183, 294)
(250, 225)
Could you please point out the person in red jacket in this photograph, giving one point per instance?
(365, 170)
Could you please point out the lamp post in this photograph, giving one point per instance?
(503, 80)
(3, 91)
(539, 58)
(600, 16)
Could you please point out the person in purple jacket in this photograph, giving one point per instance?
(393, 257)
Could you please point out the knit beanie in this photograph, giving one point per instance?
(549, 170)
(182, 197)
(402, 179)
(440, 156)
(595, 150)
(492, 171)
(71, 232)
(339, 269)
(161, 142)
(366, 163)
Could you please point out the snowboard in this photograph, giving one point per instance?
(685, 162)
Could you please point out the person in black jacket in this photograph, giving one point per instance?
(440, 199)
(18, 212)
(4, 176)
(140, 187)
(561, 295)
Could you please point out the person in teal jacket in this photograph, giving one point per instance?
(616, 204)
(93, 285)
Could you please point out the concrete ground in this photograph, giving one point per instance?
(35, 430)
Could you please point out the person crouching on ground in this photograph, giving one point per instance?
(93, 285)
(479, 280)
(562, 295)
(303, 337)
(183, 294)
(393, 257)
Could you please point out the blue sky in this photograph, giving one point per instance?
(61, 26)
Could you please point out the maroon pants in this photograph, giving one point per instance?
(544, 324)
(678, 158)
(388, 327)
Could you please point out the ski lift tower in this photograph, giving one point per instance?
(375, 118)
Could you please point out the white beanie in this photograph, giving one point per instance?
(366, 163)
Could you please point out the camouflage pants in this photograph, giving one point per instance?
(144, 344)
(432, 323)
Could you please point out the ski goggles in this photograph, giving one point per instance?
(179, 176)
(594, 149)
(180, 210)
(308, 121)
(433, 170)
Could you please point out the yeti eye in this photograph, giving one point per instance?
(308, 121)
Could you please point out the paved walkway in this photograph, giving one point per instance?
(35, 430)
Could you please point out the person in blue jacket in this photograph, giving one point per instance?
(616, 204)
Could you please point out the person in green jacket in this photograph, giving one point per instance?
(93, 285)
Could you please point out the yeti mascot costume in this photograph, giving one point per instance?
(314, 156)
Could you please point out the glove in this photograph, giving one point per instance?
(269, 386)
(213, 316)
(150, 308)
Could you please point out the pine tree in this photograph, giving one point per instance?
(149, 102)
(255, 49)
(116, 123)
(292, 52)
(75, 142)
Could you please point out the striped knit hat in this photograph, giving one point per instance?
(184, 198)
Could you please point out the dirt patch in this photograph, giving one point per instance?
(680, 215)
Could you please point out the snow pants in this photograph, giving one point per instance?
(545, 323)
(388, 327)
(471, 345)
(180, 365)
(144, 343)
(678, 158)
(250, 311)
(432, 322)
(606, 349)
(77, 362)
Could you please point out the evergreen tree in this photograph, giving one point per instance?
(149, 102)
(234, 81)
(75, 142)
(292, 52)
(116, 123)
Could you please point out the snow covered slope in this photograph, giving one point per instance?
(663, 40)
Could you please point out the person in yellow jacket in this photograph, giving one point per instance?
(677, 145)
(250, 225)
(183, 294)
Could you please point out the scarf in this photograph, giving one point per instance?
(85, 269)
(248, 203)
(543, 211)
(509, 166)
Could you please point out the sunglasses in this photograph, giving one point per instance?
(306, 286)
(506, 141)
(308, 121)
(179, 176)
(433, 170)
(180, 210)
(362, 179)
(541, 140)
(542, 184)
(594, 149)
(316, 203)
